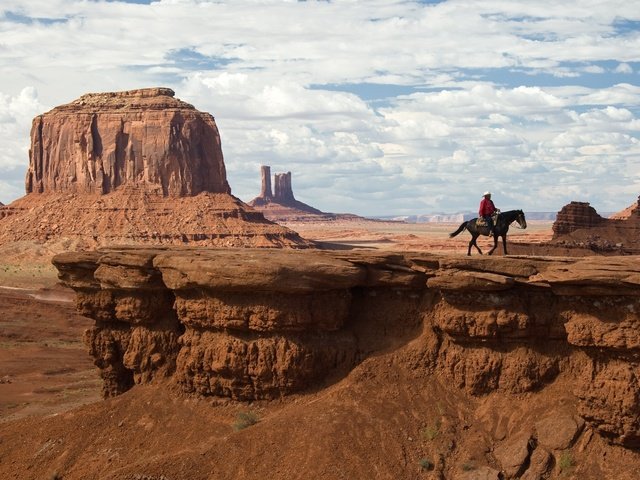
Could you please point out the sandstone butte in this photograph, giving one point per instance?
(137, 166)
(578, 224)
(399, 366)
(280, 205)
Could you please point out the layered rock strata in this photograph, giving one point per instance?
(138, 166)
(578, 224)
(144, 138)
(574, 216)
(253, 324)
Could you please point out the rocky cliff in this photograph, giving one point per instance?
(578, 224)
(260, 325)
(574, 216)
(144, 138)
(138, 166)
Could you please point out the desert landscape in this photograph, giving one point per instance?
(154, 326)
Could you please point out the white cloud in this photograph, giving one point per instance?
(16, 113)
(484, 113)
(623, 68)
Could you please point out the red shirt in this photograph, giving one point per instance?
(486, 207)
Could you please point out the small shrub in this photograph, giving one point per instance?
(244, 420)
(565, 462)
(426, 464)
(467, 467)
(431, 431)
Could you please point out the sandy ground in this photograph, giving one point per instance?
(412, 236)
(44, 366)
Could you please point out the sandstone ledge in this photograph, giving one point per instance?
(255, 324)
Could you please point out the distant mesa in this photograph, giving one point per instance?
(137, 166)
(578, 223)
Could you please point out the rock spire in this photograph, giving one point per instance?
(281, 201)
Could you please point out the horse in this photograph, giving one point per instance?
(502, 223)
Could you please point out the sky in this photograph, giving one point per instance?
(376, 107)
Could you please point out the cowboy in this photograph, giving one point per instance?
(487, 209)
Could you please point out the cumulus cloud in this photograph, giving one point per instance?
(16, 112)
(512, 97)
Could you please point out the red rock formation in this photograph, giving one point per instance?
(253, 324)
(574, 216)
(282, 204)
(283, 193)
(144, 138)
(631, 212)
(266, 192)
(131, 167)
(578, 224)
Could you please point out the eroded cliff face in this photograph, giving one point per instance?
(252, 324)
(144, 138)
(137, 166)
(574, 216)
(578, 224)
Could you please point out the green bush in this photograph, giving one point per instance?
(467, 467)
(565, 462)
(431, 431)
(244, 420)
(426, 464)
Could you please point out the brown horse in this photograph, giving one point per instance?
(502, 224)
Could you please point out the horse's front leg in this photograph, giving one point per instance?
(504, 243)
(473, 243)
(495, 244)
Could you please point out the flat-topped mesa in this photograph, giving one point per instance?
(574, 216)
(142, 138)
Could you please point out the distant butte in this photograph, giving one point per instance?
(137, 166)
(578, 223)
(280, 205)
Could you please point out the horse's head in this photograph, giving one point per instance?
(520, 219)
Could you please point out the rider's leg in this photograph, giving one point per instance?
(489, 220)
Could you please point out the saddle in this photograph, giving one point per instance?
(481, 222)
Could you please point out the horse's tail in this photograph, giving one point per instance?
(461, 228)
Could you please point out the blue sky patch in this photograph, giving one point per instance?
(191, 59)
(26, 20)
(368, 91)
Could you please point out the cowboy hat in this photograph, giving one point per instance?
(486, 193)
